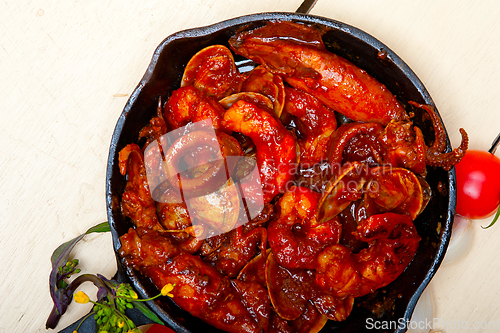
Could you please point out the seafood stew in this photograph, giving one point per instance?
(328, 221)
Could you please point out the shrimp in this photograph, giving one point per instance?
(297, 52)
(315, 124)
(231, 305)
(237, 249)
(137, 202)
(276, 151)
(143, 247)
(188, 104)
(392, 242)
(296, 238)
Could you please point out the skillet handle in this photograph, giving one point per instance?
(306, 6)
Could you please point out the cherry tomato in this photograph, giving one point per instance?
(157, 328)
(478, 184)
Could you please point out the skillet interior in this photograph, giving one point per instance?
(393, 303)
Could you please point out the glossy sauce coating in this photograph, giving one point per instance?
(392, 240)
(334, 207)
(315, 124)
(296, 237)
(213, 71)
(300, 56)
(234, 306)
(137, 202)
(275, 145)
(188, 104)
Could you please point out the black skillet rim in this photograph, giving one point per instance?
(111, 197)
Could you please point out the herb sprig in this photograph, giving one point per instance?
(113, 298)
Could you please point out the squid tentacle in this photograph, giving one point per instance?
(435, 155)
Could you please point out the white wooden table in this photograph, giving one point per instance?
(68, 67)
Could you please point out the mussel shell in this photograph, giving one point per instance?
(261, 81)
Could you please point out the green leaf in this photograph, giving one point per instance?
(494, 220)
(59, 258)
(147, 312)
(101, 227)
(64, 249)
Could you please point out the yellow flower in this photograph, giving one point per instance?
(81, 297)
(166, 290)
(133, 294)
(121, 323)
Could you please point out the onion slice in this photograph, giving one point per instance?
(423, 315)
(460, 241)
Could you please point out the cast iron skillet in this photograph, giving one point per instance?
(392, 305)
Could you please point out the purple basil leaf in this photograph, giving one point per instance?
(62, 297)
(101, 293)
